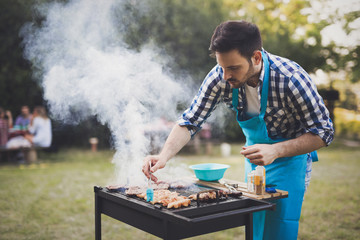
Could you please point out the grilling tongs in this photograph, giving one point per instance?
(231, 187)
(149, 190)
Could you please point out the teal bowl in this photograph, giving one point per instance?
(209, 171)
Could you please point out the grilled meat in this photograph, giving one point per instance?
(179, 203)
(211, 195)
(135, 190)
(204, 196)
(167, 198)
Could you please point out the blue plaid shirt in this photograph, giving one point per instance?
(294, 105)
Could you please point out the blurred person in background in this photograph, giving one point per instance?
(6, 122)
(23, 120)
(40, 134)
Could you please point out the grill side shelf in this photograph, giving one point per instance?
(241, 187)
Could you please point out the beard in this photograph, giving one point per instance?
(251, 78)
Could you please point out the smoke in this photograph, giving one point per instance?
(86, 69)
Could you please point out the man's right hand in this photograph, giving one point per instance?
(156, 163)
(177, 139)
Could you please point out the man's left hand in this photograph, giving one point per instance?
(260, 154)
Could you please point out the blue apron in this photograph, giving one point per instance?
(286, 173)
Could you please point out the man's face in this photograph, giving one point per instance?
(25, 111)
(237, 69)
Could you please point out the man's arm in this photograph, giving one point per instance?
(265, 154)
(313, 115)
(201, 107)
(177, 139)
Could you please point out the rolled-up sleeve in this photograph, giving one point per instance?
(309, 107)
(203, 103)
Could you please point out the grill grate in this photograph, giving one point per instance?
(193, 189)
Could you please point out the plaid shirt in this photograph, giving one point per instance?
(294, 105)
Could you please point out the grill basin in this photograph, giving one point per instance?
(209, 171)
(177, 223)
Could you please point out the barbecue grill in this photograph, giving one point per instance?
(197, 219)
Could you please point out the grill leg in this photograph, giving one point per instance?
(97, 218)
(249, 228)
(166, 232)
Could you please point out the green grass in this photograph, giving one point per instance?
(54, 199)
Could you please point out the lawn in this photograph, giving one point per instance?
(54, 199)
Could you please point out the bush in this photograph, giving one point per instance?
(347, 123)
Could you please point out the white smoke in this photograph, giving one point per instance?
(86, 69)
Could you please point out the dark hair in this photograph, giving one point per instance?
(240, 35)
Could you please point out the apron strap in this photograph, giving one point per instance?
(265, 87)
(235, 98)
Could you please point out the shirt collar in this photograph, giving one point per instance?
(262, 73)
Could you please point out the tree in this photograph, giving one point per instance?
(293, 28)
(284, 29)
(16, 84)
(182, 29)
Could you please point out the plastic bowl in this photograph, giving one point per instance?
(209, 171)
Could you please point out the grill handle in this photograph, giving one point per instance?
(206, 191)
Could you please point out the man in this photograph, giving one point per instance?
(279, 110)
(23, 120)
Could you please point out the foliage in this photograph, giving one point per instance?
(342, 57)
(16, 85)
(79, 135)
(350, 100)
(279, 24)
(181, 29)
(287, 31)
(347, 123)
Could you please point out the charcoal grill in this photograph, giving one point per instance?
(177, 223)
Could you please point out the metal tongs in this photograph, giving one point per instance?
(231, 187)
(149, 190)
